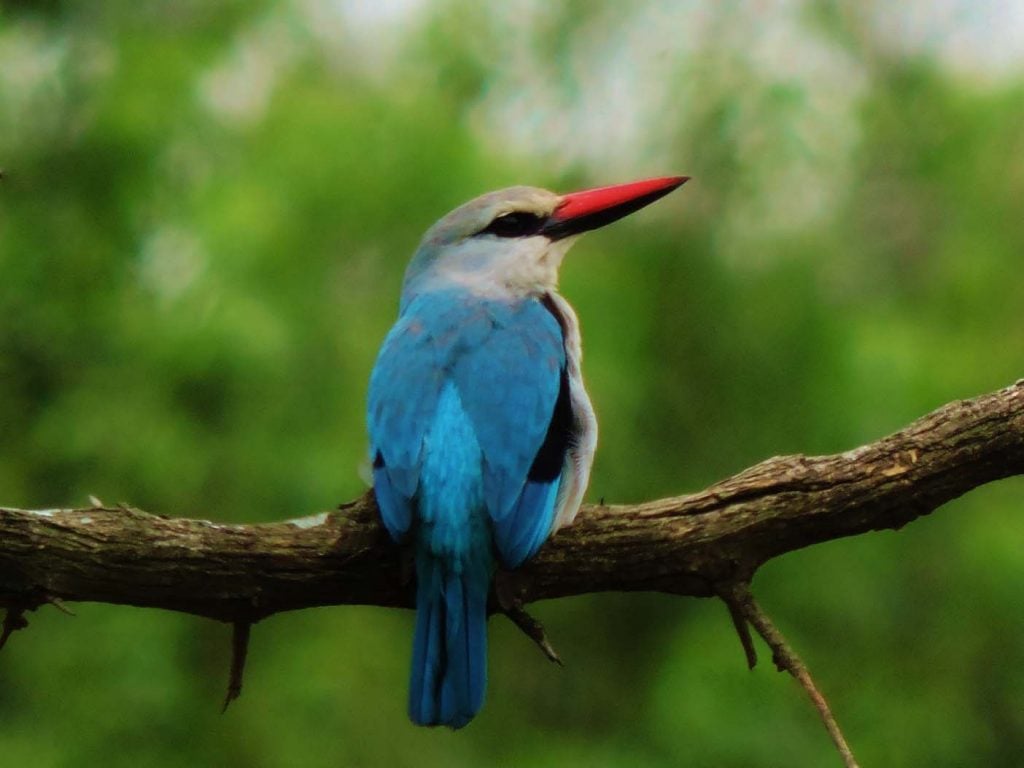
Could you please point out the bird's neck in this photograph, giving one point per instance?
(490, 284)
(492, 270)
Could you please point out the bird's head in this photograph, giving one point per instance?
(511, 242)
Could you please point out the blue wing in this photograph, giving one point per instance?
(507, 363)
(509, 388)
(404, 389)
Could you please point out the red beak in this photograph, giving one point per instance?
(592, 208)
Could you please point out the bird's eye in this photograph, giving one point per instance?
(515, 224)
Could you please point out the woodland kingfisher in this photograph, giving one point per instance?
(481, 432)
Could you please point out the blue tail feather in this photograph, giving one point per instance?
(449, 663)
(428, 657)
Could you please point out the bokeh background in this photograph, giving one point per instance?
(206, 214)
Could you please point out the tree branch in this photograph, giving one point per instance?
(686, 545)
(705, 544)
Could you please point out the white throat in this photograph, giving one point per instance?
(526, 267)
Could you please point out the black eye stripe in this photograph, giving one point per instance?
(515, 224)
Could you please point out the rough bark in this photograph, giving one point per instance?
(686, 545)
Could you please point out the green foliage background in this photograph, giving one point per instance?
(206, 213)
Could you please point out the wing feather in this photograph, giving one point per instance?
(507, 361)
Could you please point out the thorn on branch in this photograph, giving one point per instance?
(512, 606)
(745, 610)
(240, 632)
(534, 630)
(59, 604)
(739, 623)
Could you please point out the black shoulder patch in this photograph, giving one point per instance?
(547, 465)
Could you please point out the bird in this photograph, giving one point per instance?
(482, 434)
